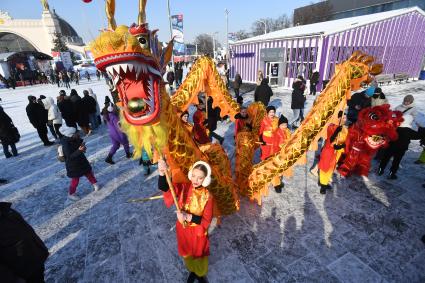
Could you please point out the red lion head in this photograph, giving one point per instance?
(379, 125)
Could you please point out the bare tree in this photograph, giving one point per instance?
(313, 13)
(281, 22)
(205, 43)
(241, 34)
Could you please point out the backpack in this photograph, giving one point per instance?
(21, 250)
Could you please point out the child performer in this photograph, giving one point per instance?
(196, 205)
(332, 150)
(267, 129)
(280, 137)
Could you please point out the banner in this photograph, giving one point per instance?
(66, 60)
(177, 26)
(231, 36)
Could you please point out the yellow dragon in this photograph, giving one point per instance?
(135, 60)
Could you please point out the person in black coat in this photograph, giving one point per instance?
(22, 252)
(297, 100)
(7, 134)
(263, 92)
(213, 116)
(76, 163)
(357, 102)
(67, 109)
(237, 84)
(37, 116)
(80, 111)
(89, 106)
(314, 79)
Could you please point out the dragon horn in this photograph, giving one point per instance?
(142, 12)
(110, 12)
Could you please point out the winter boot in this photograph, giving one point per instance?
(421, 159)
(3, 181)
(128, 155)
(192, 277)
(392, 176)
(109, 160)
(96, 187)
(73, 197)
(381, 171)
(147, 170)
(323, 189)
(279, 188)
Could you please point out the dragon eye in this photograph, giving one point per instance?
(143, 42)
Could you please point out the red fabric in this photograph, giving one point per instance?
(280, 136)
(239, 125)
(75, 181)
(267, 129)
(328, 156)
(358, 154)
(193, 239)
(199, 130)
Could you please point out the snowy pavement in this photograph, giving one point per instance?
(363, 231)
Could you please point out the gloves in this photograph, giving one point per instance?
(262, 141)
(205, 122)
(339, 146)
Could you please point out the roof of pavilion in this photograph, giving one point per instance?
(329, 27)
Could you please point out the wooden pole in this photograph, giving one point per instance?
(167, 176)
(145, 199)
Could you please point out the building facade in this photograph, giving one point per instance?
(337, 9)
(395, 38)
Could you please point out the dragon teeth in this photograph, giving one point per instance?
(154, 71)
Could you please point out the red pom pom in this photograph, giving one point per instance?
(86, 1)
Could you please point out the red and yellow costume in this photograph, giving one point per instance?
(267, 128)
(192, 239)
(242, 125)
(199, 130)
(279, 138)
(331, 153)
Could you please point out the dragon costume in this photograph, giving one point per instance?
(135, 60)
(374, 129)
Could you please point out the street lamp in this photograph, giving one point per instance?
(171, 28)
(213, 38)
(227, 36)
(265, 25)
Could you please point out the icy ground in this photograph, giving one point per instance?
(363, 231)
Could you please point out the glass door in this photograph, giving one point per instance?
(272, 73)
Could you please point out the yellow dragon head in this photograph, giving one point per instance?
(134, 59)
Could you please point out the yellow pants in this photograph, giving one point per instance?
(199, 266)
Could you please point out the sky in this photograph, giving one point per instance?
(199, 16)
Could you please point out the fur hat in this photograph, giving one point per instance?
(207, 180)
(282, 120)
(269, 108)
(67, 131)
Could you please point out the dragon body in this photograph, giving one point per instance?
(136, 62)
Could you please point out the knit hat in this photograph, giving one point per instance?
(269, 108)
(370, 91)
(282, 120)
(67, 131)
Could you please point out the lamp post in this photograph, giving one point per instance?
(213, 38)
(265, 25)
(226, 12)
(171, 31)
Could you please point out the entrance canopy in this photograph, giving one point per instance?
(8, 56)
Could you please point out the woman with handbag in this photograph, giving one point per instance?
(9, 134)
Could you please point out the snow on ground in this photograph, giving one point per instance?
(363, 231)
